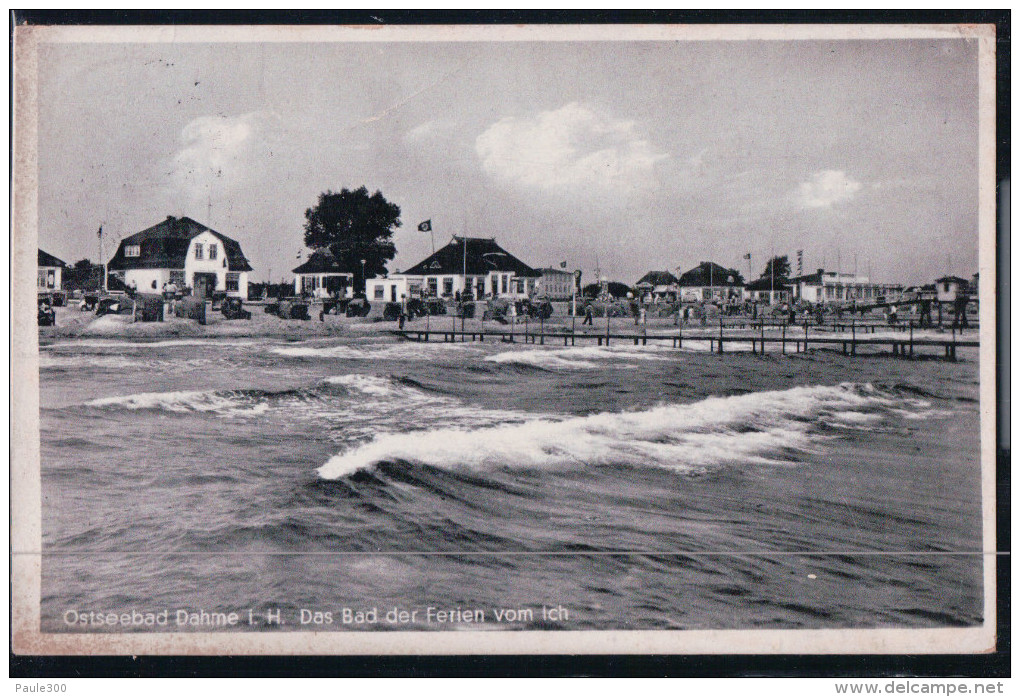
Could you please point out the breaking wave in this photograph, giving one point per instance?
(763, 427)
(392, 351)
(226, 402)
(581, 358)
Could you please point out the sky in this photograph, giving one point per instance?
(628, 156)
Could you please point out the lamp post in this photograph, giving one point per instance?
(364, 280)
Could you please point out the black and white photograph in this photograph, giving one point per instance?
(536, 339)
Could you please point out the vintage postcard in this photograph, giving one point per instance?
(504, 340)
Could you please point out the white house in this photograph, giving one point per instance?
(768, 291)
(322, 273)
(710, 281)
(50, 272)
(832, 287)
(949, 288)
(556, 284)
(476, 265)
(183, 252)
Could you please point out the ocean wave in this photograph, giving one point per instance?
(413, 351)
(579, 358)
(49, 361)
(226, 403)
(161, 343)
(763, 427)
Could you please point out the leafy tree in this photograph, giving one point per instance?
(83, 264)
(616, 290)
(781, 266)
(354, 225)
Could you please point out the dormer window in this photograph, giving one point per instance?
(199, 251)
(212, 251)
(132, 250)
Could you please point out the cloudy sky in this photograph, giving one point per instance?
(640, 155)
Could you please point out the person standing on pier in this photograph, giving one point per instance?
(589, 316)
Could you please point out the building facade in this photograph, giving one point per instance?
(322, 275)
(832, 287)
(185, 253)
(556, 284)
(768, 291)
(473, 265)
(51, 272)
(709, 281)
(658, 285)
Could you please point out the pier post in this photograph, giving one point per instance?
(542, 330)
(784, 338)
(720, 335)
(911, 337)
(853, 336)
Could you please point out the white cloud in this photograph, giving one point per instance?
(571, 149)
(826, 188)
(218, 154)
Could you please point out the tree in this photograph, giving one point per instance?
(354, 226)
(616, 290)
(781, 265)
(83, 264)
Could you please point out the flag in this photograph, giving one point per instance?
(747, 256)
(100, 233)
(425, 226)
(563, 264)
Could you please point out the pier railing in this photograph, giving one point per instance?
(796, 338)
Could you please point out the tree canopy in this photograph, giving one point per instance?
(781, 266)
(354, 225)
(617, 290)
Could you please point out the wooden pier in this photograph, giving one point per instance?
(792, 337)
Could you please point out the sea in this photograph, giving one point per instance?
(368, 483)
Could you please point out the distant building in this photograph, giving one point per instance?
(832, 287)
(710, 281)
(949, 288)
(660, 285)
(768, 291)
(183, 252)
(50, 272)
(556, 284)
(322, 273)
(491, 271)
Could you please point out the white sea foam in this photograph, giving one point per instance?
(390, 351)
(223, 403)
(579, 358)
(755, 427)
(111, 343)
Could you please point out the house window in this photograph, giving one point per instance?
(505, 283)
(199, 249)
(42, 278)
(380, 293)
(133, 250)
(212, 251)
(233, 280)
(433, 287)
(447, 286)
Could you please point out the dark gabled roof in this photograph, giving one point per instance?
(46, 259)
(165, 246)
(321, 261)
(659, 278)
(957, 279)
(766, 283)
(483, 256)
(709, 274)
